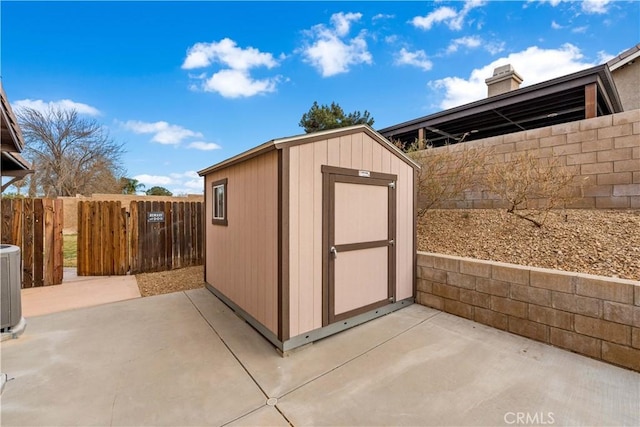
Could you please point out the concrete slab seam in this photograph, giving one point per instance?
(361, 354)
(267, 397)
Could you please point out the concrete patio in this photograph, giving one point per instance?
(187, 359)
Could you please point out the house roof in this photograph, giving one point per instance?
(544, 104)
(278, 144)
(624, 58)
(11, 140)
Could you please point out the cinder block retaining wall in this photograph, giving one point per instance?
(595, 316)
(604, 151)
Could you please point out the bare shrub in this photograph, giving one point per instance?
(446, 172)
(532, 187)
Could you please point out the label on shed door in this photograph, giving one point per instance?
(365, 174)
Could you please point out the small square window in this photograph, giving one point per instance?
(219, 198)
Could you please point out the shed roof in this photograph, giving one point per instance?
(280, 143)
(547, 103)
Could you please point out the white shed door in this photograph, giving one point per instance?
(360, 261)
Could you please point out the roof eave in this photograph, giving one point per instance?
(599, 74)
(282, 143)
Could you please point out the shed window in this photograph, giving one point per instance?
(219, 198)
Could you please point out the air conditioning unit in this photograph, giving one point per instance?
(10, 275)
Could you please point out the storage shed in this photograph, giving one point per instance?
(310, 235)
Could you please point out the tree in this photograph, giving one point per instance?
(330, 117)
(158, 191)
(73, 155)
(532, 187)
(130, 185)
(445, 172)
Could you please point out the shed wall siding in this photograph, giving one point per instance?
(242, 258)
(357, 151)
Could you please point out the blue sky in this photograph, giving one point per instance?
(185, 85)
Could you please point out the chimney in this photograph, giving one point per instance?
(504, 79)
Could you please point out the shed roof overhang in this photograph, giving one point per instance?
(560, 100)
(12, 163)
(281, 143)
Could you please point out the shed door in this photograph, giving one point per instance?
(359, 217)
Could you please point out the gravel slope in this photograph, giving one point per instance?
(603, 242)
(606, 243)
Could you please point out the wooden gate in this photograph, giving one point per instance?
(152, 236)
(102, 239)
(35, 225)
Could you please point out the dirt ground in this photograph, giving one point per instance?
(165, 282)
(603, 242)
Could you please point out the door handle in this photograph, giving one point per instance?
(334, 252)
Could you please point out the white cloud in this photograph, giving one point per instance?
(452, 18)
(188, 182)
(382, 16)
(330, 53)
(588, 6)
(65, 104)
(226, 51)
(604, 56)
(470, 42)
(204, 146)
(237, 84)
(441, 14)
(151, 180)
(342, 22)
(474, 42)
(163, 132)
(234, 80)
(595, 6)
(418, 59)
(556, 26)
(534, 64)
(580, 30)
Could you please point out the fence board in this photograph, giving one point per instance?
(118, 242)
(27, 249)
(32, 225)
(47, 209)
(38, 243)
(58, 242)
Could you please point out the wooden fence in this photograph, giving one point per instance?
(35, 225)
(102, 239)
(152, 236)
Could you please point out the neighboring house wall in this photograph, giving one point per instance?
(70, 204)
(604, 151)
(627, 79)
(595, 316)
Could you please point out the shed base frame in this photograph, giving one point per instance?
(316, 334)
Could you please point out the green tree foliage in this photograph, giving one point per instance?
(331, 117)
(130, 185)
(158, 191)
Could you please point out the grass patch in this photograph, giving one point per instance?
(70, 250)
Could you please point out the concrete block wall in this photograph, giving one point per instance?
(595, 316)
(604, 152)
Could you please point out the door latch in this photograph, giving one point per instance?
(334, 252)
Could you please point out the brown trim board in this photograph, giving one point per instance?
(283, 245)
(332, 175)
